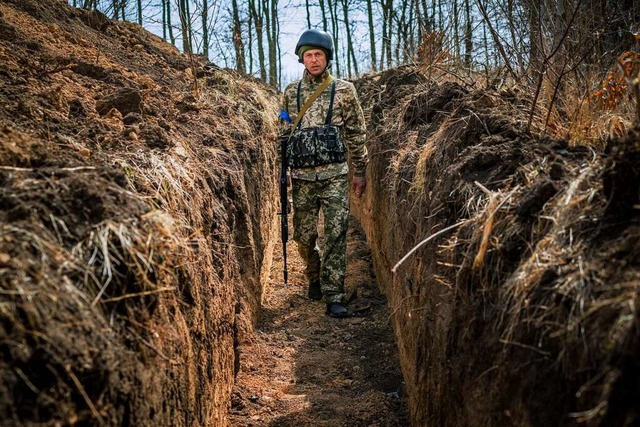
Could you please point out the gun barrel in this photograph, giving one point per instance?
(284, 207)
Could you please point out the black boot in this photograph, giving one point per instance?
(315, 290)
(335, 309)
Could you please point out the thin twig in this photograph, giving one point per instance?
(75, 169)
(83, 393)
(431, 237)
(139, 294)
(546, 60)
(395, 310)
(496, 39)
(528, 347)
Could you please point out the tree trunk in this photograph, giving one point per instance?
(164, 20)
(184, 24)
(409, 48)
(139, 2)
(512, 29)
(468, 35)
(426, 25)
(323, 10)
(400, 38)
(307, 7)
(389, 31)
(535, 59)
(487, 60)
(351, 55)
(250, 39)
(279, 53)
(266, 13)
(334, 27)
(372, 35)
(258, 18)
(237, 38)
(169, 25)
(456, 31)
(270, 17)
(273, 47)
(189, 26)
(205, 29)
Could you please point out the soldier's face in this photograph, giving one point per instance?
(315, 61)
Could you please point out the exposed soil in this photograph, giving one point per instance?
(303, 368)
(521, 306)
(136, 225)
(137, 231)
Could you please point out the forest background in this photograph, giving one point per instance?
(522, 40)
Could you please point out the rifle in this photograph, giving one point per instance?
(284, 200)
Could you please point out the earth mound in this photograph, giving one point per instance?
(509, 259)
(135, 221)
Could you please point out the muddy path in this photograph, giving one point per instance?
(302, 368)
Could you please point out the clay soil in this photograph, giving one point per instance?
(137, 231)
(303, 368)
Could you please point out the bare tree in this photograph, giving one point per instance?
(333, 11)
(308, 10)
(387, 20)
(250, 39)
(372, 35)
(468, 35)
(270, 11)
(166, 16)
(456, 30)
(139, 10)
(255, 9)
(238, 44)
(205, 28)
(323, 10)
(351, 56)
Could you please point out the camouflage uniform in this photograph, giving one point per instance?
(325, 187)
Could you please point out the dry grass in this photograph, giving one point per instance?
(503, 252)
(120, 270)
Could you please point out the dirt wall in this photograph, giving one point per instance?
(520, 309)
(136, 222)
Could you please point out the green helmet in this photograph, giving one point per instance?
(316, 38)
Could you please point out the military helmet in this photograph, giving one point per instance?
(316, 38)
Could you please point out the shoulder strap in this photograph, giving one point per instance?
(309, 101)
(330, 112)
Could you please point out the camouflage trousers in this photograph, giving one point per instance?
(328, 265)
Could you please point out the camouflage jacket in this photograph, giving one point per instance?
(347, 114)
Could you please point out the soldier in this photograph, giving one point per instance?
(332, 126)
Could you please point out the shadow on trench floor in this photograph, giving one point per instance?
(302, 368)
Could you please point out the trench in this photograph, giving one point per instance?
(137, 239)
(302, 368)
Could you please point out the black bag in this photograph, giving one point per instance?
(315, 146)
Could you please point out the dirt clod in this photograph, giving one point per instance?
(126, 100)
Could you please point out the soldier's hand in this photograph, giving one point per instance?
(358, 185)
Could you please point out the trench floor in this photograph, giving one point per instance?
(302, 368)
